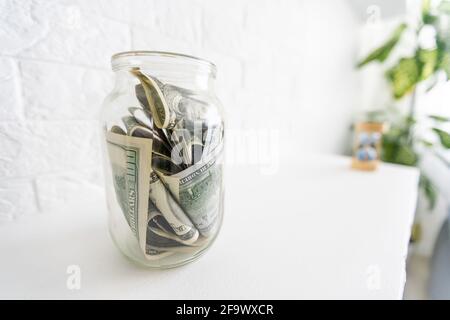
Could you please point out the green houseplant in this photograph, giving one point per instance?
(425, 66)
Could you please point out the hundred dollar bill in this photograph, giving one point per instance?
(189, 113)
(142, 98)
(117, 129)
(160, 104)
(161, 133)
(172, 96)
(165, 164)
(134, 128)
(198, 189)
(171, 211)
(161, 242)
(184, 102)
(131, 167)
(161, 156)
(152, 252)
(142, 116)
(159, 226)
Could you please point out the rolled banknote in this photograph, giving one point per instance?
(161, 133)
(164, 226)
(158, 242)
(156, 228)
(198, 190)
(165, 164)
(161, 242)
(160, 105)
(158, 224)
(161, 156)
(142, 98)
(117, 129)
(185, 102)
(191, 116)
(142, 116)
(171, 94)
(171, 211)
(135, 129)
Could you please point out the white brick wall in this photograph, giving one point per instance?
(284, 64)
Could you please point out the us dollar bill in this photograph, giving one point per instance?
(172, 212)
(134, 128)
(198, 190)
(131, 167)
(142, 116)
(159, 225)
(117, 129)
(160, 236)
(160, 104)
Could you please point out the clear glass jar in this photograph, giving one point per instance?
(163, 145)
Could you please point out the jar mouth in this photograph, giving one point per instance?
(123, 59)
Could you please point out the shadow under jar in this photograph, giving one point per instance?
(163, 145)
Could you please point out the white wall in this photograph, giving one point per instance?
(286, 65)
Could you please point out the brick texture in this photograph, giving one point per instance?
(283, 65)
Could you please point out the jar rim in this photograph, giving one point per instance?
(147, 53)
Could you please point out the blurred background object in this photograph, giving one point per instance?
(367, 145)
(411, 64)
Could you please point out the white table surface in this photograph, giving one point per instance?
(313, 230)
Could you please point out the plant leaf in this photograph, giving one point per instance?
(396, 150)
(406, 156)
(403, 77)
(444, 137)
(426, 7)
(439, 118)
(381, 53)
(388, 150)
(429, 62)
(427, 143)
(444, 63)
(427, 16)
(429, 189)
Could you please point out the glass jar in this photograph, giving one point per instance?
(163, 145)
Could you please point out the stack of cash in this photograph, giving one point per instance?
(167, 170)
